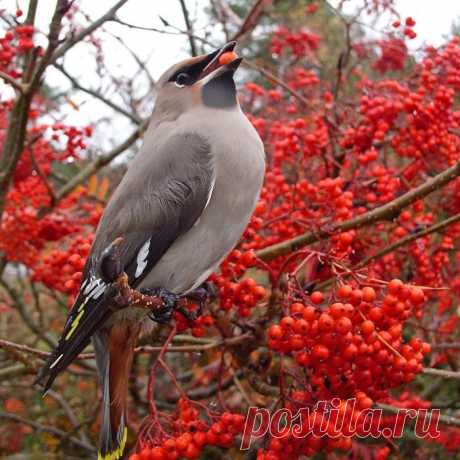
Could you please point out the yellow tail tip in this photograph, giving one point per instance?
(117, 453)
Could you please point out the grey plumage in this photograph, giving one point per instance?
(180, 208)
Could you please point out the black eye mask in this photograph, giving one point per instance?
(192, 71)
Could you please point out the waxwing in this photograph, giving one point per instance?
(181, 207)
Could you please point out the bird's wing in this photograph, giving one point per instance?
(161, 196)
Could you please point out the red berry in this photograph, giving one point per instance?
(367, 327)
(275, 332)
(317, 297)
(343, 292)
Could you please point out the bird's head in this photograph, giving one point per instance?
(205, 80)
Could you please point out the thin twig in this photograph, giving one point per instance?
(10, 80)
(96, 165)
(96, 94)
(69, 412)
(188, 25)
(252, 18)
(445, 419)
(409, 238)
(441, 373)
(48, 429)
(269, 76)
(74, 39)
(230, 342)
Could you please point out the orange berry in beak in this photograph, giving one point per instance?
(227, 57)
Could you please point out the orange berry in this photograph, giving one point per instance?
(145, 454)
(368, 294)
(316, 297)
(394, 286)
(227, 57)
(343, 292)
(367, 327)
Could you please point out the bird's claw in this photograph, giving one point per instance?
(191, 315)
(203, 294)
(164, 313)
(173, 302)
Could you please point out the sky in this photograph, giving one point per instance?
(433, 22)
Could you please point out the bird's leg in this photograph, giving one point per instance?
(163, 314)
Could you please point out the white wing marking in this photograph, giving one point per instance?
(141, 260)
(91, 285)
(213, 183)
(211, 189)
(98, 291)
(56, 361)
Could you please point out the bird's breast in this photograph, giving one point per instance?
(238, 161)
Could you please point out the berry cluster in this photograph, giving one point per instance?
(300, 43)
(190, 434)
(233, 292)
(62, 269)
(15, 42)
(354, 343)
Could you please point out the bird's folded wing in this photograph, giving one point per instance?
(161, 196)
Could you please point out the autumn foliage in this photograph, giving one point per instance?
(316, 304)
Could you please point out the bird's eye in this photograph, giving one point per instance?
(182, 79)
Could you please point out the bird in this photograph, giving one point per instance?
(181, 207)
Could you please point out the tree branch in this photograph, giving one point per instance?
(387, 211)
(252, 18)
(72, 41)
(96, 165)
(49, 429)
(409, 238)
(21, 308)
(230, 342)
(10, 80)
(445, 419)
(270, 77)
(188, 25)
(441, 373)
(98, 95)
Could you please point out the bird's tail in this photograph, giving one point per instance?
(114, 349)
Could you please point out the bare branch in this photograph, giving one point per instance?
(210, 345)
(225, 12)
(441, 373)
(96, 165)
(142, 65)
(48, 429)
(189, 27)
(445, 419)
(69, 412)
(409, 238)
(21, 308)
(253, 17)
(269, 76)
(15, 370)
(10, 80)
(98, 95)
(72, 41)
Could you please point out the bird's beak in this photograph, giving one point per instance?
(212, 61)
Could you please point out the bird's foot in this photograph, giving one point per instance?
(203, 294)
(174, 302)
(163, 314)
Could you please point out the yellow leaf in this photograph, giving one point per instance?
(103, 189)
(92, 185)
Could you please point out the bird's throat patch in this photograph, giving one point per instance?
(220, 92)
